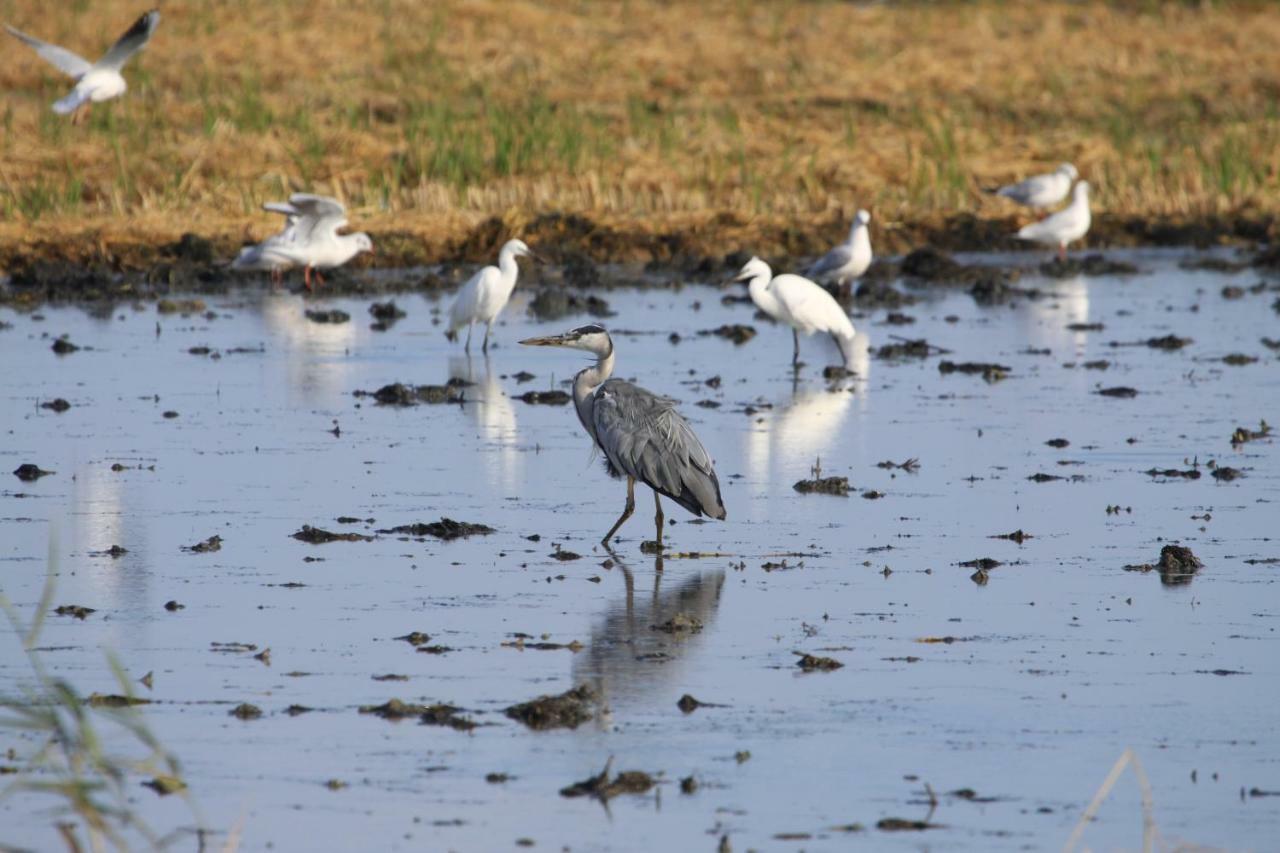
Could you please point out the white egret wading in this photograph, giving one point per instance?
(270, 255)
(486, 293)
(95, 81)
(1042, 191)
(847, 262)
(641, 435)
(313, 240)
(1066, 226)
(802, 305)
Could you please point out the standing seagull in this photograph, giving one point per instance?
(486, 293)
(850, 259)
(1066, 226)
(270, 254)
(1042, 190)
(316, 243)
(801, 304)
(98, 81)
(641, 434)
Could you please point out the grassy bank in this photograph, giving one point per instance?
(647, 117)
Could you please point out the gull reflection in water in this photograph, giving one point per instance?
(495, 418)
(316, 354)
(1047, 318)
(635, 652)
(811, 423)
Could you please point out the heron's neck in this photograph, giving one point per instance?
(760, 295)
(585, 384)
(509, 269)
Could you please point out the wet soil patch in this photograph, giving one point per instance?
(320, 536)
(1177, 565)
(986, 563)
(824, 486)
(815, 663)
(901, 824)
(555, 397)
(29, 473)
(989, 371)
(386, 312)
(75, 610)
(245, 711)
(556, 303)
(1239, 359)
(114, 700)
(602, 787)
(60, 405)
(446, 529)
(1242, 435)
(681, 623)
(881, 294)
(904, 348)
(398, 394)
(331, 315)
(1119, 391)
(1094, 264)
(736, 332)
(208, 546)
(416, 638)
(566, 710)
(1227, 474)
(688, 704)
(1173, 473)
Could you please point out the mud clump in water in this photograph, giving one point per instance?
(1120, 391)
(446, 529)
(57, 404)
(398, 394)
(554, 397)
(387, 312)
(1173, 473)
(1177, 565)
(1058, 443)
(332, 315)
(814, 663)
(555, 303)
(902, 824)
(114, 700)
(62, 346)
(880, 294)
(824, 486)
(737, 332)
(1094, 264)
(208, 546)
(29, 473)
(681, 623)
(1239, 359)
(319, 536)
(1168, 343)
(1242, 435)
(604, 788)
(447, 716)
(989, 371)
(919, 348)
(1227, 474)
(75, 610)
(245, 711)
(1018, 536)
(565, 711)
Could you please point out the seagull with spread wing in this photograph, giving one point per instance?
(95, 81)
(314, 241)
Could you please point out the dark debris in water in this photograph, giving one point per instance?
(815, 663)
(29, 473)
(446, 529)
(59, 405)
(416, 638)
(1119, 391)
(1173, 473)
(320, 536)
(737, 332)
(332, 315)
(989, 371)
(245, 711)
(557, 303)
(824, 486)
(208, 546)
(1226, 474)
(114, 700)
(902, 824)
(554, 397)
(566, 710)
(1177, 565)
(603, 787)
(1242, 435)
(986, 563)
(1093, 264)
(399, 394)
(75, 610)
(918, 348)
(681, 623)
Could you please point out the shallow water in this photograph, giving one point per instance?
(1058, 663)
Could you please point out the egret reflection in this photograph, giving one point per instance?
(494, 416)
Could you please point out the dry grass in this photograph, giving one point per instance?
(427, 117)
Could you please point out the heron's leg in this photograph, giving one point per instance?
(658, 519)
(306, 277)
(467, 348)
(795, 353)
(626, 513)
(487, 327)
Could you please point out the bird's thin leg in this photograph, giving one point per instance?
(795, 353)
(658, 519)
(626, 513)
(1062, 252)
(319, 277)
(306, 276)
(485, 347)
(467, 348)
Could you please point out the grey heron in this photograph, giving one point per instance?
(801, 304)
(486, 293)
(641, 435)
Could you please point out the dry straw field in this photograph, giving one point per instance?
(645, 116)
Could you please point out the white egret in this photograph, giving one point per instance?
(802, 305)
(486, 293)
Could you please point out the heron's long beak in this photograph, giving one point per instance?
(550, 341)
(534, 256)
(737, 279)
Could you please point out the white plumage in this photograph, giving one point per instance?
(311, 238)
(802, 305)
(1042, 190)
(486, 293)
(97, 81)
(848, 261)
(1066, 226)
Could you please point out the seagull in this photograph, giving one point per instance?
(850, 259)
(486, 293)
(316, 243)
(1066, 226)
(1042, 190)
(801, 304)
(269, 255)
(98, 81)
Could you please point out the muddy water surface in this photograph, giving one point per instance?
(1023, 689)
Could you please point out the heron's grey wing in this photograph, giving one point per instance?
(134, 40)
(68, 63)
(645, 437)
(830, 262)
